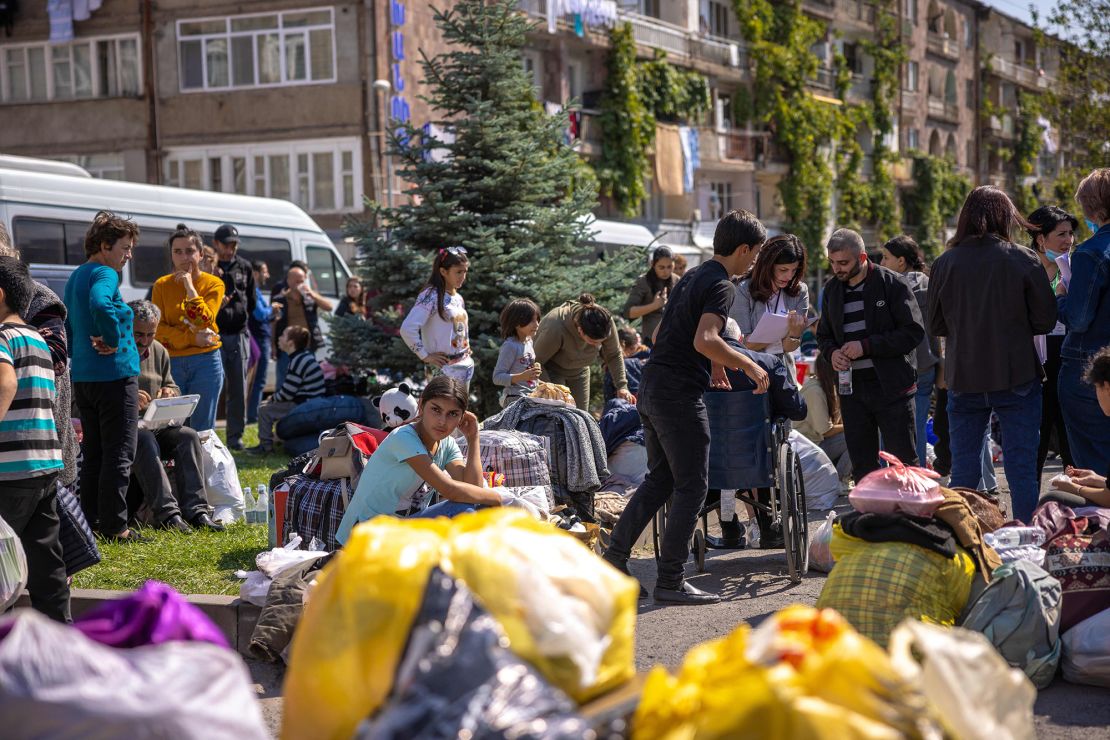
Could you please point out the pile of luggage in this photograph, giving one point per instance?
(912, 549)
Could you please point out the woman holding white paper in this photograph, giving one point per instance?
(775, 286)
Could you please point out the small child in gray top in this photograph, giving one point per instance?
(517, 368)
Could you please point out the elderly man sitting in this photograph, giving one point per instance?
(178, 443)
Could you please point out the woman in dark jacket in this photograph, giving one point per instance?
(648, 296)
(1052, 235)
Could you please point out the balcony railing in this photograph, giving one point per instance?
(536, 8)
(909, 100)
(821, 8)
(943, 46)
(944, 110)
(1020, 73)
(857, 11)
(860, 88)
(679, 42)
(659, 35)
(825, 78)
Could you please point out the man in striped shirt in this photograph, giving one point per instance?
(303, 380)
(871, 326)
(30, 454)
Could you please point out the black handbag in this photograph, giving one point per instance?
(79, 550)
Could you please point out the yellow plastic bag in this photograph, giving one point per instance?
(563, 609)
(805, 673)
(355, 625)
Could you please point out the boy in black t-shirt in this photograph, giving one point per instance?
(676, 428)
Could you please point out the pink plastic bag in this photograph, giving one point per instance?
(897, 488)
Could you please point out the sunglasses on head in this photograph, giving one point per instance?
(457, 251)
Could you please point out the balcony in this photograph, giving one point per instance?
(678, 42)
(943, 46)
(856, 12)
(1022, 74)
(820, 8)
(824, 80)
(536, 8)
(943, 110)
(860, 88)
(1001, 126)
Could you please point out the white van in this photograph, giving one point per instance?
(47, 215)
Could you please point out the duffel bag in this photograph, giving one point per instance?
(315, 508)
(1082, 565)
(521, 457)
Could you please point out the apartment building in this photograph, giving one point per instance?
(1013, 65)
(252, 97)
(291, 98)
(939, 108)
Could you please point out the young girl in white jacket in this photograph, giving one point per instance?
(436, 328)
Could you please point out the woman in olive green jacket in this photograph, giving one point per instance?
(568, 341)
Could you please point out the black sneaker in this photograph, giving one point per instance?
(259, 450)
(237, 445)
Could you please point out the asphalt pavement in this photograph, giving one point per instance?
(753, 585)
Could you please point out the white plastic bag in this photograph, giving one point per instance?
(272, 562)
(1087, 651)
(822, 483)
(13, 566)
(255, 587)
(221, 480)
(820, 551)
(974, 693)
(55, 682)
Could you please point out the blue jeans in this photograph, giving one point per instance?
(1088, 429)
(449, 509)
(921, 410)
(203, 375)
(255, 395)
(1019, 412)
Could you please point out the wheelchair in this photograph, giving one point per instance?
(749, 450)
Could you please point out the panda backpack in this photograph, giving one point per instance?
(397, 406)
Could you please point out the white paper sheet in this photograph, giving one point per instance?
(772, 327)
(1064, 263)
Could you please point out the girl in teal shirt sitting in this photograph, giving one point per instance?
(424, 452)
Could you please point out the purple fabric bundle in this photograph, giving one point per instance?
(154, 614)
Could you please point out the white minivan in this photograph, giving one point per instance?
(48, 213)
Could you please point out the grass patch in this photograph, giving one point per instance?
(202, 562)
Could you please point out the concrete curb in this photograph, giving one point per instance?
(234, 617)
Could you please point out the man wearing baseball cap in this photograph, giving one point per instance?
(239, 300)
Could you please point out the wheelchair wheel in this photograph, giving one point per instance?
(658, 526)
(699, 549)
(792, 506)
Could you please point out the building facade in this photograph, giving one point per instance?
(291, 99)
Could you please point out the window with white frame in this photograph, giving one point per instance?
(99, 67)
(321, 176)
(720, 198)
(911, 77)
(287, 48)
(101, 166)
(913, 138)
(716, 18)
(575, 79)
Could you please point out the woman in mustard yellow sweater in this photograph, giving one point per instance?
(189, 300)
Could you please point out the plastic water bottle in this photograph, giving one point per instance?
(266, 514)
(844, 382)
(248, 505)
(1009, 537)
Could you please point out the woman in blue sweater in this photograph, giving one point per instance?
(105, 369)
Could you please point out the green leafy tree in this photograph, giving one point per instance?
(627, 127)
(935, 199)
(501, 182)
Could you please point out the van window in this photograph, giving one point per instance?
(276, 253)
(151, 258)
(327, 271)
(50, 241)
